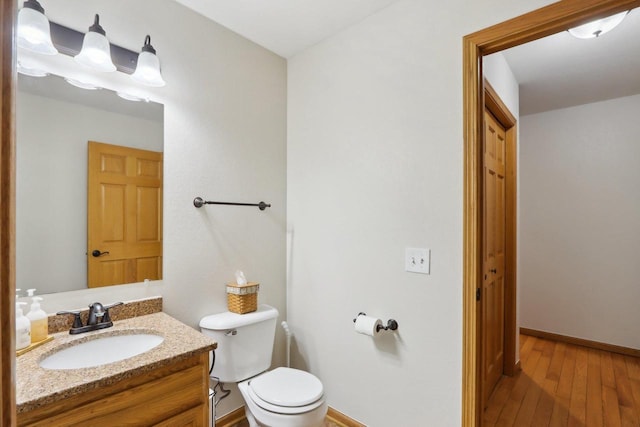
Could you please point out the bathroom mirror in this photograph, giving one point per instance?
(54, 123)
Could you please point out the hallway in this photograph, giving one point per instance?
(567, 385)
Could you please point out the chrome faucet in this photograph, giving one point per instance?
(98, 318)
(96, 313)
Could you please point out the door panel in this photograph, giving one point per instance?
(124, 215)
(112, 212)
(148, 218)
(493, 256)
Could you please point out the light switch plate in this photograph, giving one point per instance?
(417, 260)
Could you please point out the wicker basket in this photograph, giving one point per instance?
(242, 299)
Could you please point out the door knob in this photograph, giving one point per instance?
(96, 253)
(494, 271)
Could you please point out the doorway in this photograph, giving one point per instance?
(540, 23)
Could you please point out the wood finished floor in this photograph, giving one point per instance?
(567, 385)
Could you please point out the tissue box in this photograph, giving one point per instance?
(242, 299)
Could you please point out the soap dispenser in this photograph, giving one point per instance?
(23, 328)
(39, 321)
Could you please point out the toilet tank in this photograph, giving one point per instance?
(245, 342)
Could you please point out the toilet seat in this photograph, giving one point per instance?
(286, 391)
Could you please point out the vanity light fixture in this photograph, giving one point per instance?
(82, 85)
(34, 32)
(96, 51)
(91, 49)
(599, 27)
(148, 69)
(32, 72)
(129, 97)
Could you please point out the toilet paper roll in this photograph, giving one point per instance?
(367, 325)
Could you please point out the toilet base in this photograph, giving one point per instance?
(252, 420)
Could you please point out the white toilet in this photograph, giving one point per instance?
(283, 397)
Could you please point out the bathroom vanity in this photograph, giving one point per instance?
(166, 386)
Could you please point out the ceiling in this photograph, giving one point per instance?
(286, 27)
(555, 72)
(560, 71)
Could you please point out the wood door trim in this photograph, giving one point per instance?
(511, 245)
(7, 213)
(497, 107)
(540, 23)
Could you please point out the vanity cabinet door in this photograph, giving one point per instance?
(190, 418)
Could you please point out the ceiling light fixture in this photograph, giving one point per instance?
(148, 68)
(34, 33)
(597, 28)
(96, 51)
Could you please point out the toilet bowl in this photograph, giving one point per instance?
(284, 397)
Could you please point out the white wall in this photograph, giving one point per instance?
(225, 138)
(579, 228)
(497, 71)
(374, 166)
(51, 205)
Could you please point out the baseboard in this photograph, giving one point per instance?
(341, 420)
(232, 418)
(579, 341)
(336, 417)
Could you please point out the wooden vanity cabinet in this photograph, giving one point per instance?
(173, 395)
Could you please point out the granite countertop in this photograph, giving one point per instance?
(36, 386)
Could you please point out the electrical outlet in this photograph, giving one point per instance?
(417, 260)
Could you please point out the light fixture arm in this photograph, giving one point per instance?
(33, 4)
(147, 45)
(96, 27)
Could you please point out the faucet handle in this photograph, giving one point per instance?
(77, 322)
(106, 317)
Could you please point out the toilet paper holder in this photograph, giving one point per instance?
(391, 324)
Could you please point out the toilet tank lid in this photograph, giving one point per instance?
(228, 320)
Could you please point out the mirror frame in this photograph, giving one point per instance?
(540, 23)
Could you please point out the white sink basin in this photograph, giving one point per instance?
(101, 351)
